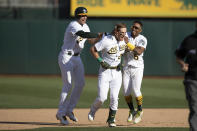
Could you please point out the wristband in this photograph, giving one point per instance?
(99, 59)
(131, 46)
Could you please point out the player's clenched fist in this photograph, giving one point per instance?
(104, 64)
(129, 45)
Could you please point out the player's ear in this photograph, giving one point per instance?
(140, 30)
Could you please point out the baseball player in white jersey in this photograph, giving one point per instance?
(133, 70)
(71, 66)
(110, 76)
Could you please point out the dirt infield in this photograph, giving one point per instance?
(13, 119)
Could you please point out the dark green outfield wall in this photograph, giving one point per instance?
(32, 46)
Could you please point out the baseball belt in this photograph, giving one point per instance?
(113, 67)
(118, 68)
(71, 54)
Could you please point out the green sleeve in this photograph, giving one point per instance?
(86, 34)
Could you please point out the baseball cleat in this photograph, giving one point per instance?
(138, 117)
(90, 116)
(112, 124)
(131, 116)
(62, 119)
(72, 116)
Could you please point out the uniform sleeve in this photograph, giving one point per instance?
(75, 28)
(181, 51)
(100, 45)
(142, 42)
(87, 29)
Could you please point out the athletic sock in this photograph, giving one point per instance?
(129, 102)
(111, 116)
(139, 100)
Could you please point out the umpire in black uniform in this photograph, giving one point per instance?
(186, 56)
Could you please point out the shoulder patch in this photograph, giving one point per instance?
(142, 42)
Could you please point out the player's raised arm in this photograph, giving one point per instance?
(138, 50)
(92, 37)
(95, 40)
(87, 34)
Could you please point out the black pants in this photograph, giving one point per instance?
(191, 96)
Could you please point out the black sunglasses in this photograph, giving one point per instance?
(83, 15)
(135, 27)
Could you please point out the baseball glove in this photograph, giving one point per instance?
(105, 65)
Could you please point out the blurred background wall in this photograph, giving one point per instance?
(31, 35)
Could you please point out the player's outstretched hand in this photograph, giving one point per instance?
(100, 34)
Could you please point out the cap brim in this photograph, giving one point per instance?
(83, 14)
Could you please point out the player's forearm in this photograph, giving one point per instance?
(93, 40)
(184, 66)
(87, 34)
(138, 50)
(94, 52)
(180, 61)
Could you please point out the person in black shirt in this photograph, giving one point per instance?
(186, 56)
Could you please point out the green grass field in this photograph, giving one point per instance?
(43, 92)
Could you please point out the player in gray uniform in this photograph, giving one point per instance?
(110, 76)
(71, 66)
(133, 70)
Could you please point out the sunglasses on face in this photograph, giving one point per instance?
(83, 15)
(135, 27)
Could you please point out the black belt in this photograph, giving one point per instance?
(118, 68)
(76, 54)
(113, 67)
(70, 53)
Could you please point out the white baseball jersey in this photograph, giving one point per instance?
(70, 39)
(111, 49)
(129, 58)
(133, 68)
(71, 67)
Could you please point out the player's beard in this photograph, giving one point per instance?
(134, 33)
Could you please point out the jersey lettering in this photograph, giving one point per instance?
(122, 47)
(79, 39)
(113, 50)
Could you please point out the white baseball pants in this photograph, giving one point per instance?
(132, 79)
(108, 79)
(72, 71)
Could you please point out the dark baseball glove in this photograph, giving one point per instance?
(105, 65)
